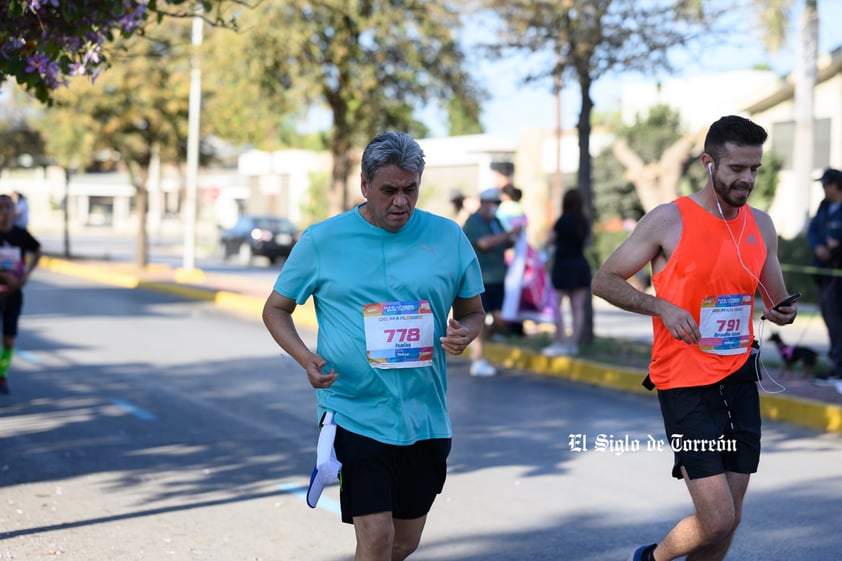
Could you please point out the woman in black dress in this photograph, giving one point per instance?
(571, 273)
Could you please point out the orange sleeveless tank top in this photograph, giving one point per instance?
(713, 274)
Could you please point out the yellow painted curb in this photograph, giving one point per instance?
(187, 276)
(800, 411)
(790, 409)
(192, 292)
(240, 303)
(117, 278)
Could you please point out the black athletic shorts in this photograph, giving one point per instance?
(713, 429)
(377, 477)
(12, 307)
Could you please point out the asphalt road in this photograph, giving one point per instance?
(146, 427)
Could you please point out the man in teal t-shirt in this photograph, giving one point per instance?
(384, 278)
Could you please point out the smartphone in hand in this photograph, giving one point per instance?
(791, 299)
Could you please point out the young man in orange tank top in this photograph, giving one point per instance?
(702, 314)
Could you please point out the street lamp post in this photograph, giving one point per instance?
(192, 178)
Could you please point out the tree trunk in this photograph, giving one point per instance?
(142, 246)
(657, 182)
(65, 212)
(583, 183)
(340, 146)
(341, 169)
(805, 84)
(139, 177)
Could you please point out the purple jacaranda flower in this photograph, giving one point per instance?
(35, 5)
(37, 62)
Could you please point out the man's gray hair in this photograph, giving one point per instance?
(395, 148)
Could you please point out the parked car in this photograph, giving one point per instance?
(267, 236)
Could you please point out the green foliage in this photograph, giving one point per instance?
(649, 136)
(18, 138)
(369, 63)
(235, 99)
(315, 207)
(16, 142)
(464, 116)
(603, 244)
(766, 182)
(653, 133)
(139, 103)
(795, 254)
(614, 197)
(584, 40)
(43, 43)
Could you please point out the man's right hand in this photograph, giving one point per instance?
(679, 322)
(318, 379)
(822, 252)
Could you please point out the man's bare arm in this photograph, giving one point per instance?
(465, 325)
(652, 240)
(277, 316)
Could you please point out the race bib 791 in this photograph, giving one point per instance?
(724, 323)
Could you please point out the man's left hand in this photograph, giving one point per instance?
(457, 338)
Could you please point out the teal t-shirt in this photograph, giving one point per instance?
(345, 263)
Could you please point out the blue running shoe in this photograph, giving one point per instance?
(642, 552)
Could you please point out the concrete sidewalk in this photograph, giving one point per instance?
(803, 403)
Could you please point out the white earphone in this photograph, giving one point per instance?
(715, 195)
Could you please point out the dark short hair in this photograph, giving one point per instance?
(389, 148)
(736, 130)
(512, 192)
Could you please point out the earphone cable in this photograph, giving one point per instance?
(760, 368)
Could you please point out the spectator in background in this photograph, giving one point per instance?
(462, 208)
(503, 173)
(21, 209)
(490, 240)
(824, 234)
(571, 273)
(510, 212)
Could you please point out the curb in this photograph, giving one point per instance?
(799, 411)
(794, 410)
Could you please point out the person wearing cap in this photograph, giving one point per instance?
(461, 210)
(396, 289)
(490, 241)
(824, 234)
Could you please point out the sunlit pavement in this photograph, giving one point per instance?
(802, 403)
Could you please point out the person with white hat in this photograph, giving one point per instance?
(490, 241)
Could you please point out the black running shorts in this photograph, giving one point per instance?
(11, 313)
(713, 429)
(377, 477)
